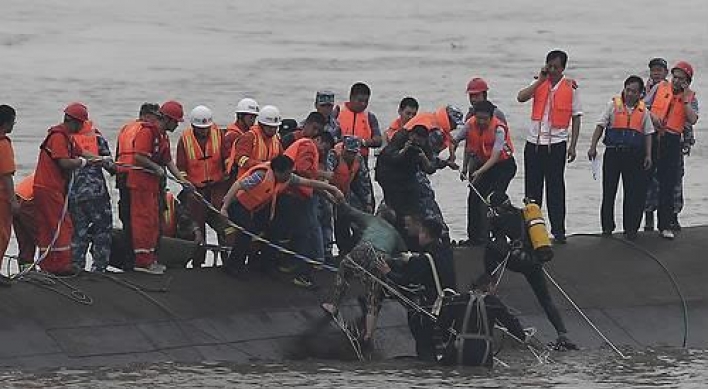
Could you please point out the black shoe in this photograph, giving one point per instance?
(607, 233)
(630, 235)
(563, 344)
(675, 226)
(463, 243)
(560, 239)
(648, 221)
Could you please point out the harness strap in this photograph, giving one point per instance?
(438, 287)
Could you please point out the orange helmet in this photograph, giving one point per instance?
(685, 67)
(173, 110)
(477, 85)
(77, 111)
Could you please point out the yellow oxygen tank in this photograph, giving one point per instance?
(536, 226)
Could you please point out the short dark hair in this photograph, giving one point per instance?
(327, 137)
(7, 114)
(560, 54)
(387, 213)
(149, 108)
(635, 79)
(433, 227)
(282, 163)
(360, 89)
(408, 102)
(420, 130)
(484, 106)
(316, 117)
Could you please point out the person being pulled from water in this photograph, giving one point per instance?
(379, 241)
(433, 269)
(473, 316)
(512, 241)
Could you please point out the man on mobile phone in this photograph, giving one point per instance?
(550, 144)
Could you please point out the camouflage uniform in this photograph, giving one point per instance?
(90, 207)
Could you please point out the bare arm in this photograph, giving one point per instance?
(575, 133)
(9, 185)
(320, 185)
(527, 93)
(592, 152)
(230, 195)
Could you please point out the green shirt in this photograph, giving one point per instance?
(375, 230)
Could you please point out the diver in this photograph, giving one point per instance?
(520, 242)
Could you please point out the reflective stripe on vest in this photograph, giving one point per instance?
(87, 138)
(481, 142)
(357, 124)
(669, 108)
(203, 169)
(344, 174)
(25, 189)
(561, 100)
(266, 192)
(169, 217)
(263, 150)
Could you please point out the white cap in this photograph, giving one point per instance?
(247, 105)
(201, 116)
(270, 116)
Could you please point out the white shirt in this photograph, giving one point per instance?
(608, 116)
(544, 127)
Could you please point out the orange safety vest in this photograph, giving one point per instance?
(669, 108)
(264, 150)
(432, 121)
(296, 151)
(202, 169)
(481, 141)
(169, 216)
(25, 189)
(266, 192)
(87, 138)
(561, 109)
(623, 120)
(357, 124)
(234, 128)
(126, 135)
(344, 174)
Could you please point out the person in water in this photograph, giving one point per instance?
(510, 239)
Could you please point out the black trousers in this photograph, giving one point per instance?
(256, 223)
(124, 216)
(343, 234)
(667, 156)
(546, 164)
(627, 164)
(496, 179)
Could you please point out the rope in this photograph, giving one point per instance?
(57, 231)
(587, 319)
(50, 282)
(672, 279)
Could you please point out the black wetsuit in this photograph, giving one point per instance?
(473, 344)
(418, 272)
(509, 232)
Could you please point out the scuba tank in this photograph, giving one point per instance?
(537, 233)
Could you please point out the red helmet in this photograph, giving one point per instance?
(477, 85)
(77, 111)
(685, 67)
(173, 110)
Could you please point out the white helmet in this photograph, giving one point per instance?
(247, 105)
(270, 116)
(201, 116)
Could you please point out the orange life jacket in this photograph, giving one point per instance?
(264, 150)
(25, 189)
(266, 192)
(202, 169)
(481, 142)
(87, 138)
(438, 120)
(561, 100)
(623, 120)
(298, 150)
(355, 124)
(126, 135)
(669, 108)
(393, 128)
(169, 216)
(344, 174)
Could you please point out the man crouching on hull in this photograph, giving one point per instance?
(520, 242)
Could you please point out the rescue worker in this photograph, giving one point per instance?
(258, 145)
(354, 119)
(433, 269)
(310, 127)
(407, 109)
(627, 126)
(489, 148)
(549, 144)
(59, 156)
(24, 222)
(90, 203)
(511, 238)
(152, 153)
(379, 242)
(8, 203)
(251, 203)
(658, 72)
(125, 158)
(246, 113)
(177, 221)
(351, 176)
(200, 160)
(299, 203)
(477, 91)
(673, 107)
(324, 104)
(473, 316)
(325, 211)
